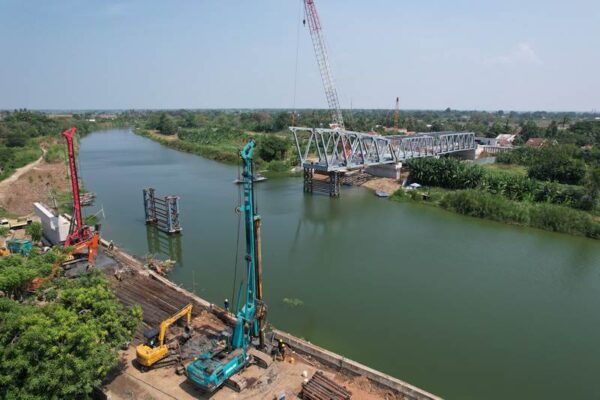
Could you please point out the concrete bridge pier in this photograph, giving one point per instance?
(464, 154)
(385, 170)
(325, 182)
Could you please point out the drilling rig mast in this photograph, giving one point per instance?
(318, 40)
(80, 235)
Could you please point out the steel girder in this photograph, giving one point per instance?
(338, 150)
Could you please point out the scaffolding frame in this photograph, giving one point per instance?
(162, 212)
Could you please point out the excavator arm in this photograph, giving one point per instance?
(149, 356)
(185, 311)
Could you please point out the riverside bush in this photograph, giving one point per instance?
(485, 205)
(552, 163)
(55, 153)
(545, 216)
(445, 172)
(454, 174)
(512, 186)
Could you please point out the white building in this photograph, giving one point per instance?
(55, 228)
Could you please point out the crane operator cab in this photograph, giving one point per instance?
(151, 337)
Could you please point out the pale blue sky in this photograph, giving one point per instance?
(464, 54)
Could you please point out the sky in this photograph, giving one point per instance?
(144, 54)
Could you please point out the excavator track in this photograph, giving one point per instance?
(236, 382)
(165, 362)
(261, 359)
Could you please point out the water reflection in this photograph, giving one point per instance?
(159, 243)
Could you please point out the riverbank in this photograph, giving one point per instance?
(475, 203)
(507, 194)
(224, 150)
(159, 298)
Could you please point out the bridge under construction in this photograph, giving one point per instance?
(334, 152)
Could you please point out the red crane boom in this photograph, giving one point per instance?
(77, 222)
(80, 235)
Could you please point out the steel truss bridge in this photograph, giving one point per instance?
(335, 150)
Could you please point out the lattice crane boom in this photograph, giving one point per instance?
(318, 40)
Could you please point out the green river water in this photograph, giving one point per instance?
(464, 308)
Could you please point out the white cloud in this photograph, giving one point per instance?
(522, 54)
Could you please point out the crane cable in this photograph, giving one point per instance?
(79, 173)
(237, 244)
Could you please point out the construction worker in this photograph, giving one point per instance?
(226, 305)
(281, 349)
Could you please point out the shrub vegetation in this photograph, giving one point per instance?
(63, 347)
(450, 173)
(564, 163)
(550, 217)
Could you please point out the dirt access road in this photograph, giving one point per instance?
(31, 183)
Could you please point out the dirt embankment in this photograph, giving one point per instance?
(387, 185)
(31, 183)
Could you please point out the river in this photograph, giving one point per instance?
(464, 308)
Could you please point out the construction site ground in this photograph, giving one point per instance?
(387, 185)
(31, 183)
(280, 378)
(159, 299)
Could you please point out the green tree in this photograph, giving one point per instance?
(592, 184)
(16, 140)
(272, 147)
(166, 124)
(63, 349)
(557, 164)
(16, 271)
(529, 130)
(189, 120)
(6, 155)
(498, 128)
(552, 130)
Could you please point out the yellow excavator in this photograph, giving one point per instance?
(153, 353)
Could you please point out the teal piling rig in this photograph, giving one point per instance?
(214, 368)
